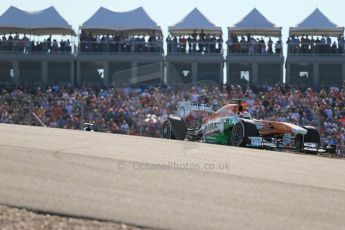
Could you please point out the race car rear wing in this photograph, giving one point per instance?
(186, 107)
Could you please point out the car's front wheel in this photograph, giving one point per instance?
(237, 137)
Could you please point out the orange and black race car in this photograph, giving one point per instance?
(233, 125)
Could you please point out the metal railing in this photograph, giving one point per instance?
(247, 48)
(340, 151)
(194, 48)
(32, 47)
(112, 47)
(73, 114)
(315, 49)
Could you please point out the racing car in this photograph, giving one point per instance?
(233, 125)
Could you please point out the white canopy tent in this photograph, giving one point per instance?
(317, 24)
(105, 21)
(255, 23)
(44, 22)
(194, 21)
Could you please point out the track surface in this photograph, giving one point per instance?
(144, 181)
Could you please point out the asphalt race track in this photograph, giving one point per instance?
(165, 184)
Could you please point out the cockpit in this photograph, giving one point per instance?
(233, 109)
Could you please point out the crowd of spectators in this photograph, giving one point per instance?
(22, 44)
(251, 45)
(318, 45)
(189, 44)
(140, 111)
(195, 43)
(120, 43)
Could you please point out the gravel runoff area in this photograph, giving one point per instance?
(17, 218)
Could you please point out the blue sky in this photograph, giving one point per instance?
(167, 12)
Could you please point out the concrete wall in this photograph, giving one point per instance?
(30, 73)
(330, 74)
(210, 71)
(119, 72)
(60, 72)
(5, 73)
(270, 73)
(234, 73)
(51, 69)
(88, 72)
(296, 69)
(180, 71)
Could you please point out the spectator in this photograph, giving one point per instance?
(138, 111)
(320, 45)
(18, 44)
(195, 43)
(121, 43)
(252, 45)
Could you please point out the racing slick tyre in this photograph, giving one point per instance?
(174, 128)
(237, 136)
(250, 128)
(167, 131)
(312, 135)
(240, 133)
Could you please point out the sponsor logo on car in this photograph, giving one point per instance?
(212, 128)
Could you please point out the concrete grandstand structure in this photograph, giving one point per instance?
(315, 64)
(199, 61)
(115, 47)
(29, 60)
(250, 60)
(121, 49)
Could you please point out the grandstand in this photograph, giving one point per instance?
(195, 49)
(30, 52)
(42, 48)
(252, 55)
(126, 40)
(316, 52)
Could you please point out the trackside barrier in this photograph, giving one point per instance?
(72, 114)
(39, 120)
(340, 151)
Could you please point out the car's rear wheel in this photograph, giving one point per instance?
(167, 130)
